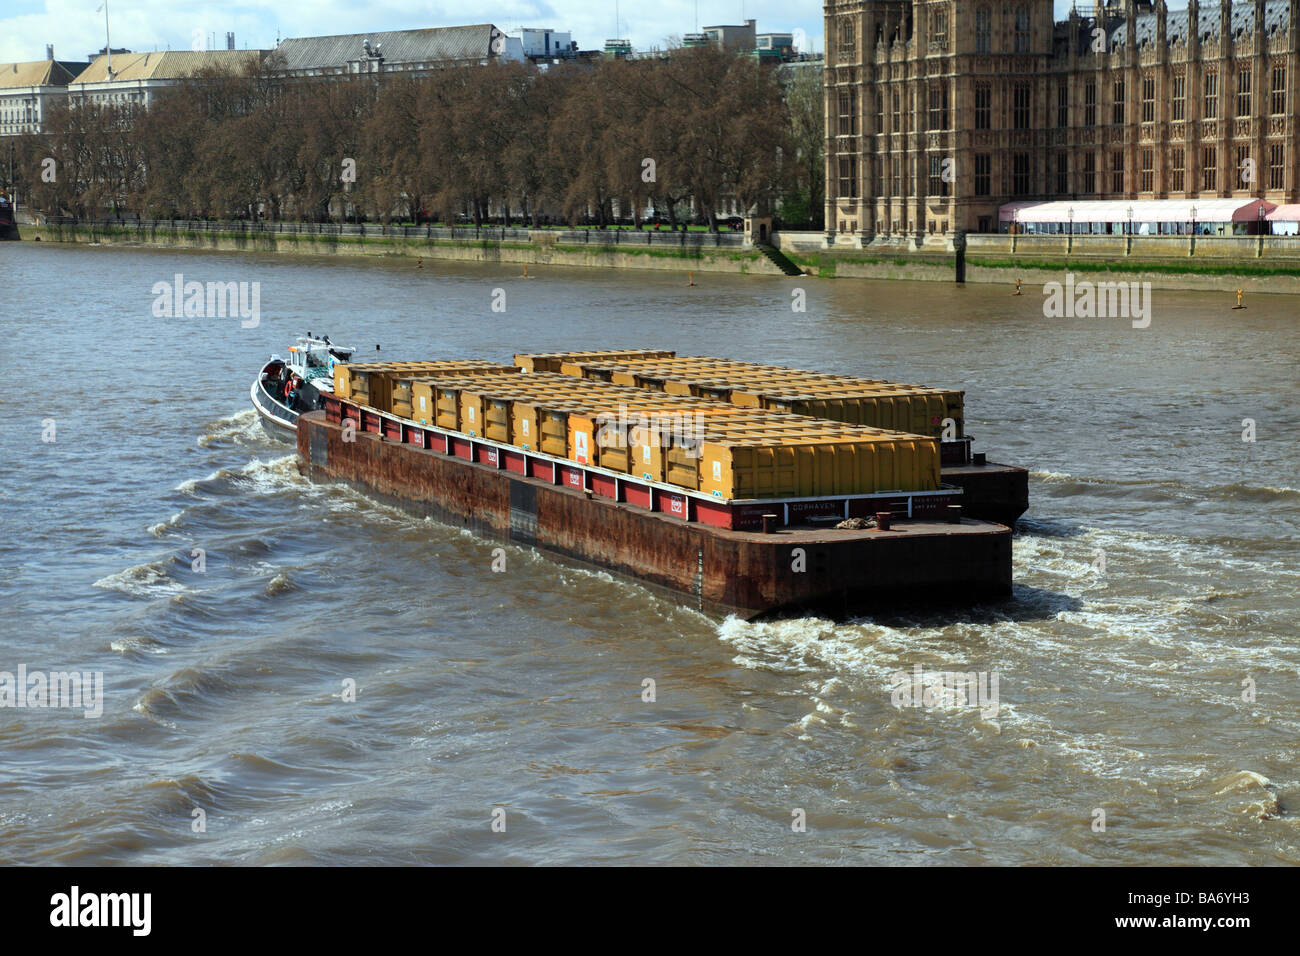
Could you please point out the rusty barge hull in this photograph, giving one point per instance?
(716, 570)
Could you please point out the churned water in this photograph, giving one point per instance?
(1147, 667)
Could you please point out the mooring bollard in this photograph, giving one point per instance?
(769, 523)
(883, 519)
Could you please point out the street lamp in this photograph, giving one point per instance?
(1193, 220)
(1130, 220)
(1071, 215)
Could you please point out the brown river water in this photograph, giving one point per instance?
(1163, 691)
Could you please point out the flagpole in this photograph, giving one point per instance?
(108, 42)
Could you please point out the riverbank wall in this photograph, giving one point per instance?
(616, 249)
(1268, 264)
(1208, 263)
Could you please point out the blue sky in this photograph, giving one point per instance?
(76, 29)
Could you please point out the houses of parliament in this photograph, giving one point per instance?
(939, 112)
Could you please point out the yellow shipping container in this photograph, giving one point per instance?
(646, 459)
(554, 427)
(424, 401)
(596, 435)
(470, 418)
(359, 387)
(682, 467)
(498, 416)
(373, 388)
(613, 455)
(400, 398)
(525, 429)
(580, 445)
(551, 361)
(484, 414)
(916, 409)
(730, 470)
(578, 369)
(343, 380)
(448, 407)
(806, 441)
(805, 467)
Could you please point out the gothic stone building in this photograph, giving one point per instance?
(940, 111)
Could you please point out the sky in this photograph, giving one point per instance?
(76, 30)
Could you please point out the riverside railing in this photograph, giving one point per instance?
(613, 237)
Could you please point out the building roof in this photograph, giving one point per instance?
(1144, 210)
(168, 65)
(1277, 16)
(36, 73)
(432, 45)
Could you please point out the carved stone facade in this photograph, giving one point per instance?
(938, 112)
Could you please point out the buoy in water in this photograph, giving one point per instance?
(690, 277)
(1017, 292)
(1238, 305)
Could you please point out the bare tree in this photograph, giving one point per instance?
(690, 131)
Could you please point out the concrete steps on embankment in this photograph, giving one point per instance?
(778, 259)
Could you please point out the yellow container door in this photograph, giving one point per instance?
(523, 425)
(581, 440)
(471, 413)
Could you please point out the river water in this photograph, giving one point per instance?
(1147, 666)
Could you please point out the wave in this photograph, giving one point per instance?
(178, 797)
(241, 429)
(143, 580)
(1231, 491)
(1251, 793)
(183, 692)
(1114, 646)
(138, 645)
(259, 475)
(280, 584)
(161, 529)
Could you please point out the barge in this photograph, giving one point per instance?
(711, 556)
(719, 553)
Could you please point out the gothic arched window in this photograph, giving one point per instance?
(983, 30)
(1022, 29)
